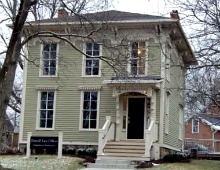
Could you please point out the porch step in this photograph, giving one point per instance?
(125, 149)
(114, 163)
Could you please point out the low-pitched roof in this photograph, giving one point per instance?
(111, 15)
(124, 19)
(210, 120)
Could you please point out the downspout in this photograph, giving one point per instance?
(213, 138)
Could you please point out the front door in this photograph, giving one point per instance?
(135, 128)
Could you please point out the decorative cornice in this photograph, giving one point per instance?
(52, 87)
(90, 87)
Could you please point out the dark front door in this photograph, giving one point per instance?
(135, 118)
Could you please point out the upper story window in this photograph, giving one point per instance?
(195, 126)
(92, 60)
(49, 59)
(138, 58)
(46, 110)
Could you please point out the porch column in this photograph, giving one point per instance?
(117, 138)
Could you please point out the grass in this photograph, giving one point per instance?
(193, 165)
(40, 163)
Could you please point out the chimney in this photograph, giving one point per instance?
(62, 12)
(214, 110)
(174, 14)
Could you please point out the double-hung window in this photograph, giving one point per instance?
(92, 59)
(46, 110)
(138, 58)
(195, 126)
(90, 110)
(49, 62)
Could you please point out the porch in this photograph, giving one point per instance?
(133, 149)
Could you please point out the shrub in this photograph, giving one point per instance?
(177, 157)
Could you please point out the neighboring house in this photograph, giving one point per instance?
(203, 131)
(138, 106)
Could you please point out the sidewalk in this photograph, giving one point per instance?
(100, 169)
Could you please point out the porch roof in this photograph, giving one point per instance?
(153, 81)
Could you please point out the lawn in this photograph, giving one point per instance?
(193, 165)
(39, 163)
(71, 163)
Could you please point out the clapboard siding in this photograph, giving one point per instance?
(174, 86)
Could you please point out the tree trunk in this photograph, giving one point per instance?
(7, 72)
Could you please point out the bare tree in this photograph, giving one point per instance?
(18, 13)
(202, 20)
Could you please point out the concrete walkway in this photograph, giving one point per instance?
(100, 169)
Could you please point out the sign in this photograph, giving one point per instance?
(44, 142)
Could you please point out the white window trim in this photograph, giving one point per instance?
(167, 115)
(38, 110)
(193, 125)
(41, 60)
(146, 60)
(84, 60)
(81, 111)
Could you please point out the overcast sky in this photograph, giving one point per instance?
(153, 7)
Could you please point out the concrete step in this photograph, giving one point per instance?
(115, 150)
(108, 146)
(114, 163)
(124, 154)
(124, 143)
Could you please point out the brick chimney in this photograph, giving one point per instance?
(214, 110)
(174, 14)
(62, 12)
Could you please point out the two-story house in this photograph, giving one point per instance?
(109, 79)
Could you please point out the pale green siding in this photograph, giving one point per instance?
(154, 58)
(174, 87)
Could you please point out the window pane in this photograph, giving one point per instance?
(95, 71)
(88, 71)
(88, 63)
(93, 115)
(46, 63)
(45, 55)
(96, 47)
(49, 123)
(50, 114)
(45, 71)
(86, 95)
(86, 115)
(52, 71)
(93, 95)
(88, 46)
(43, 114)
(53, 47)
(96, 63)
(95, 53)
(50, 95)
(43, 95)
(93, 105)
(92, 124)
(86, 105)
(85, 124)
(50, 105)
(42, 123)
(46, 47)
(43, 105)
(89, 53)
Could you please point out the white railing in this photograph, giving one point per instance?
(151, 135)
(105, 134)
